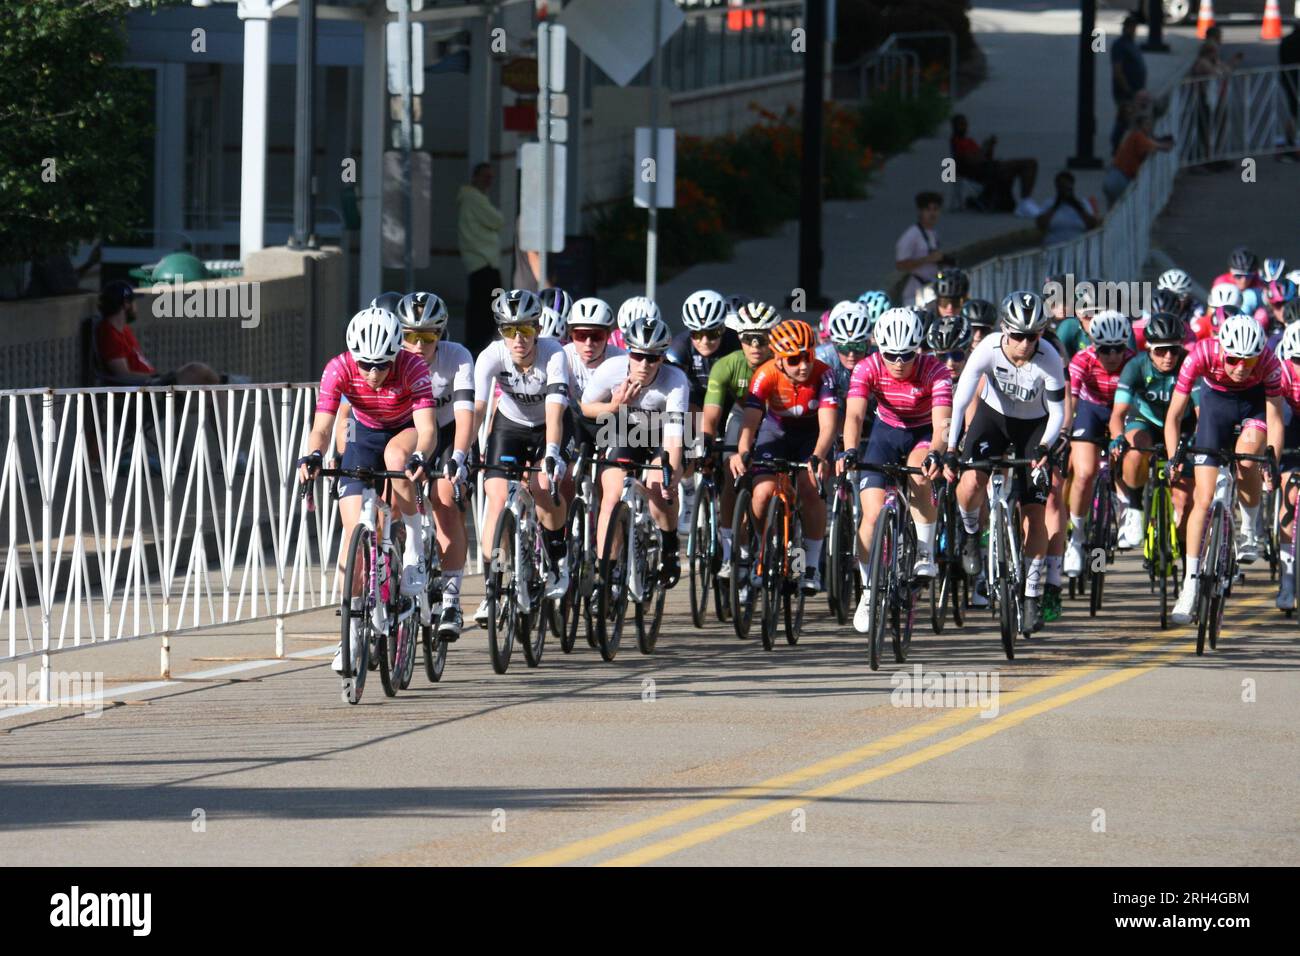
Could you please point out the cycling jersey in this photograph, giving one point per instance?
(1030, 391)
(842, 373)
(579, 372)
(1252, 297)
(905, 402)
(1290, 385)
(729, 381)
(451, 375)
(1147, 391)
(1070, 333)
(667, 394)
(1089, 380)
(1205, 361)
(683, 355)
(524, 394)
(789, 404)
(405, 390)
(1206, 325)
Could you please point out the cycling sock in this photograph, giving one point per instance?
(725, 534)
(669, 540)
(1076, 532)
(451, 587)
(1193, 568)
(1054, 570)
(925, 536)
(813, 549)
(864, 573)
(414, 538)
(1034, 577)
(970, 520)
(1252, 519)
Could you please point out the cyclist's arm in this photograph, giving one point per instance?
(855, 413)
(748, 429)
(321, 428)
(1276, 428)
(710, 419)
(1174, 419)
(426, 430)
(342, 424)
(979, 363)
(1118, 415)
(828, 419)
(463, 405)
(940, 422)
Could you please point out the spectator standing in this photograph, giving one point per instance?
(479, 230)
(1066, 218)
(1128, 75)
(917, 253)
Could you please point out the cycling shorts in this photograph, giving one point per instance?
(992, 434)
(1221, 413)
(365, 449)
(525, 443)
(790, 444)
(890, 445)
(1091, 420)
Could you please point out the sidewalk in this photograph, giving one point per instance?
(1027, 100)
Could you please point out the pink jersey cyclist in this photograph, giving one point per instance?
(1089, 379)
(390, 405)
(1205, 361)
(903, 403)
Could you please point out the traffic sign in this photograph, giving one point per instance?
(531, 197)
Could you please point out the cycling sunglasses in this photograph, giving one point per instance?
(424, 337)
(956, 355)
(1024, 336)
(1232, 361)
(373, 366)
(1166, 349)
(647, 357)
(898, 358)
(712, 335)
(1111, 349)
(756, 340)
(588, 335)
(799, 358)
(518, 331)
(855, 348)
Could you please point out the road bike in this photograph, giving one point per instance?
(781, 560)
(1102, 534)
(1006, 567)
(704, 545)
(631, 566)
(1161, 551)
(950, 587)
(893, 587)
(843, 518)
(583, 562)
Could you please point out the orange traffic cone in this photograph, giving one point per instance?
(1272, 27)
(1204, 18)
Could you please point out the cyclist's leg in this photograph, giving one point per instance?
(873, 498)
(1090, 421)
(727, 498)
(886, 445)
(922, 505)
(1217, 420)
(450, 523)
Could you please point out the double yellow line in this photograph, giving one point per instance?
(774, 786)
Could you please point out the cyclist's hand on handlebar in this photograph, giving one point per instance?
(848, 462)
(950, 465)
(455, 470)
(415, 467)
(308, 466)
(737, 465)
(553, 465)
(930, 465)
(1118, 446)
(1039, 456)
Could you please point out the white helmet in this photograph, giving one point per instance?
(517, 307)
(1225, 295)
(1175, 280)
(704, 311)
(1241, 336)
(1109, 328)
(850, 323)
(734, 302)
(647, 334)
(1289, 347)
(374, 335)
(423, 312)
(557, 299)
(900, 330)
(637, 307)
(592, 311)
(757, 317)
(552, 325)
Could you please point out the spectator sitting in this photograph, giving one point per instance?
(120, 357)
(976, 163)
(1137, 145)
(1066, 218)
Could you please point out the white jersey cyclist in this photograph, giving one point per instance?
(667, 398)
(580, 373)
(451, 374)
(524, 395)
(1027, 391)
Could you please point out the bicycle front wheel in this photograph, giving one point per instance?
(701, 549)
(772, 569)
(541, 609)
(579, 572)
(794, 595)
(1207, 596)
(502, 593)
(884, 546)
(358, 564)
(611, 604)
(745, 545)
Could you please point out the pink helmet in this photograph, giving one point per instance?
(824, 327)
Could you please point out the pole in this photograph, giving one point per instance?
(1087, 120)
(810, 189)
(408, 212)
(1155, 28)
(544, 137)
(652, 225)
(304, 129)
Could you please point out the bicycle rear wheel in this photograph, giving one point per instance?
(1207, 596)
(435, 653)
(541, 609)
(701, 548)
(834, 556)
(502, 593)
(1096, 555)
(611, 603)
(772, 569)
(745, 545)
(883, 554)
(904, 592)
(358, 563)
(794, 596)
(1163, 558)
(649, 611)
(580, 571)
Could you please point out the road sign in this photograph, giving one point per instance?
(531, 198)
(664, 168)
(618, 37)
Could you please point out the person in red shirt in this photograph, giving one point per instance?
(976, 162)
(119, 350)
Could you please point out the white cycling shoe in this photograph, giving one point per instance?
(481, 613)
(724, 570)
(1130, 529)
(862, 616)
(1247, 549)
(1072, 565)
(414, 580)
(557, 583)
(924, 567)
(1182, 612)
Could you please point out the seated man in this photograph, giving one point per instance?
(120, 357)
(976, 162)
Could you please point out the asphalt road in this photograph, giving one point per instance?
(1107, 742)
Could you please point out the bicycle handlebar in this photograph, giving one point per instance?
(993, 464)
(1234, 456)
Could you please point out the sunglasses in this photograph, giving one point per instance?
(1110, 349)
(754, 341)
(854, 349)
(898, 358)
(518, 331)
(1166, 349)
(799, 358)
(424, 337)
(1023, 336)
(1243, 275)
(1232, 361)
(711, 335)
(589, 335)
(956, 355)
(647, 357)
(373, 366)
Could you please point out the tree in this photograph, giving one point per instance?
(71, 120)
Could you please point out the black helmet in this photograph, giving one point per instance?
(948, 332)
(388, 301)
(951, 283)
(1165, 328)
(980, 313)
(114, 295)
(1243, 260)
(1166, 300)
(1291, 311)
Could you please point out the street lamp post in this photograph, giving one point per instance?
(810, 191)
(1083, 157)
(304, 227)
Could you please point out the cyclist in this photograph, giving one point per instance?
(552, 324)
(1243, 275)
(791, 414)
(395, 430)
(1180, 284)
(1288, 353)
(1273, 313)
(982, 316)
(1072, 331)
(695, 351)
(388, 301)
(1138, 417)
(913, 393)
(849, 329)
(637, 307)
(734, 304)
(648, 400)
(1021, 408)
(951, 287)
(1242, 388)
(530, 422)
(728, 385)
(590, 322)
(1225, 301)
(1270, 270)
(949, 340)
(1094, 376)
(558, 301)
(451, 376)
